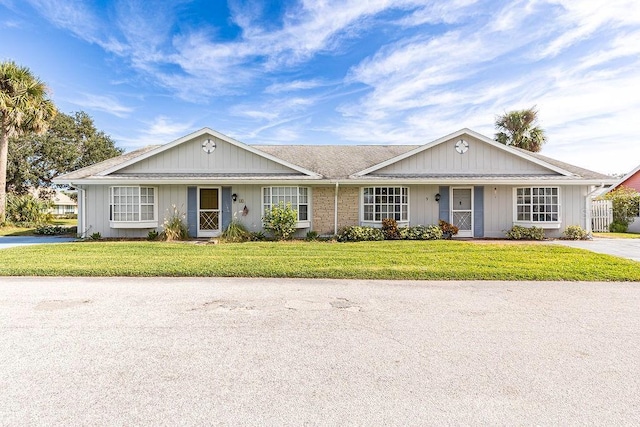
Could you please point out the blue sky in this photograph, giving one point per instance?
(340, 72)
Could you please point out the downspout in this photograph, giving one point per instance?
(82, 210)
(587, 208)
(335, 211)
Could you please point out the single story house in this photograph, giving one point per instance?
(465, 178)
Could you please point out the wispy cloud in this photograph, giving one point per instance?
(107, 104)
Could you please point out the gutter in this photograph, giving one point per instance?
(82, 229)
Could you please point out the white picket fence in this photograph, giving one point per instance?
(601, 215)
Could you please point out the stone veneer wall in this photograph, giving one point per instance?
(323, 208)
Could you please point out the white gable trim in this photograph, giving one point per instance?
(458, 134)
(201, 132)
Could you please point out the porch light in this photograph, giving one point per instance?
(234, 197)
(438, 197)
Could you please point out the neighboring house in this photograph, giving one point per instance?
(63, 204)
(631, 180)
(465, 178)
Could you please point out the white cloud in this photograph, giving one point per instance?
(108, 104)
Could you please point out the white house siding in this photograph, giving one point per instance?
(190, 158)
(499, 209)
(423, 208)
(481, 158)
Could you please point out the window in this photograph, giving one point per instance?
(298, 197)
(385, 202)
(538, 204)
(133, 204)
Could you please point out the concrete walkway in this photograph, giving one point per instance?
(624, 248)
(12, 241)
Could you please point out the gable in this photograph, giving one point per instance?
(482, 158)
(229, 157)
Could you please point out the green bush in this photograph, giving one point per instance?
(420, 232)
(174, 227)
(281, 221)
(619, 227)
(390, 229)
(626, 204)
(236, 232)
(96, 236)
(54, 230)
(27, 210)
(257, 236)
(311, 236)
(360, 234)
(575, 232)
(523, 233)
(152, 235)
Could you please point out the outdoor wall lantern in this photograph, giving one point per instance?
(438, 197)
(234, 197)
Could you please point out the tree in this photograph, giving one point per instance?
(71, 142)
(626, 206)
(24, 107)
(520, 129)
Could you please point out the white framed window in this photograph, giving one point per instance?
(298, 197)
(379, 203)
(537, 205)
(133, 207)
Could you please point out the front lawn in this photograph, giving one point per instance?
(432, 260)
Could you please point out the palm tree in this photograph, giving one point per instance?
(24, 107)
(520, 129)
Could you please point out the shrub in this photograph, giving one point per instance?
(27, 210)
(523, 233)
(54, 230)
(311, 236)
(257, 236)
(236, 232)
(152, 235)
(390, 229)
(430, 232)
(174, 227)
(96, 236)
(619, 227)
(281, 221)
(448, 230)
(360, 234)
(626, 204)
(575, 232)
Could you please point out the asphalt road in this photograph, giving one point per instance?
(99, 351)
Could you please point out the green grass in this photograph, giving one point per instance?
(618, 235)
(20, 231)
(433, 260)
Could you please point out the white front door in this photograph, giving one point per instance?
(462, 211)
(209, 212)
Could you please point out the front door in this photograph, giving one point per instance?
(208, 212)
(462, 211)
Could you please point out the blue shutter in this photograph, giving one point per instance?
(227, 204)
(192, 211)
(478, 211)
(444, 204)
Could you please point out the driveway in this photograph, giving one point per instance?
(12, 241)
(625, 248)
(202, 351)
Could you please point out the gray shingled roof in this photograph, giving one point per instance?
(576, 170)
(331, 161)
(335, 161)
(106, 164)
